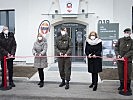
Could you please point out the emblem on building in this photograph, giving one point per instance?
(44, 27)
(69, 7)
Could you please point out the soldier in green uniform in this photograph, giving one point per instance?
(63, 47)
(124, 48)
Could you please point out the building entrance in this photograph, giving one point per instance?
(77, 33)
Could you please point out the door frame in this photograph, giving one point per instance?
(73, 27)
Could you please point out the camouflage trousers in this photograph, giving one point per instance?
(64, 65)
(120, 65)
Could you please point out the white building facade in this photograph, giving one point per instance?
(30, 13)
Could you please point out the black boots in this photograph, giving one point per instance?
(41, 84)
(121, 89)
(94, 86)
(121, 86)
(12, 84)
(62, 83)
(67, 85)
(91, 86)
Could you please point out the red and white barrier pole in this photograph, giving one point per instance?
(5, 70)
(125, 74)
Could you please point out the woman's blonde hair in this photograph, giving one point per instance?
(94, 33)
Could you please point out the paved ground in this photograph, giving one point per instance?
(79, 73)
(26, 90)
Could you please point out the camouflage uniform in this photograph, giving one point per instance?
(124, 48)
(63, 45)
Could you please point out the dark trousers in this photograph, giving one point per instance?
(41, 74)
(64, 65)
(10, 70)
(121, 71)
(94, 78)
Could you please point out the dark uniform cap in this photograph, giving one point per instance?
(127, 30)
(62, 28)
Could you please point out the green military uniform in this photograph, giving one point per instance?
(124, 48)
(63, 45)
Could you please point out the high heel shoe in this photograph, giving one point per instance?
(91, 85)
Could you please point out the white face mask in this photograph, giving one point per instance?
(92, 37)
(6, 31)
(39, 38)
(126, 35)
(63, 32)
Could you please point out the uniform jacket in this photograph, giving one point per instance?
(63, 45)
(40, 48)
(94, 64)
(7, 45)
(124, 48)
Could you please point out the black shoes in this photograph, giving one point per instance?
(67, 86)
(62, 83)
(120, 88)
(91, 86)
(41, 84)
(12, 84)
(95, 88)
(128, 93)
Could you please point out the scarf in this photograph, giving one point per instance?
(94, 42)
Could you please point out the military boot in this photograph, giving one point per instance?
(67, 85)
(62, 83)
(129, 90)
(121, 86)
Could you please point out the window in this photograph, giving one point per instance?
(7, 17)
